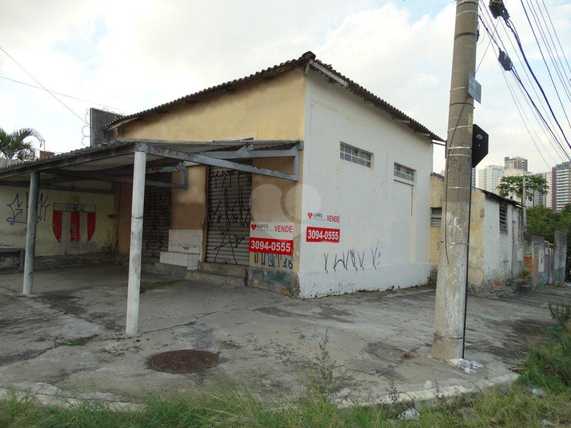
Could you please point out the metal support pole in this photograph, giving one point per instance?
(524, 202)
(137, 207)
(31, 233)
(451, 285)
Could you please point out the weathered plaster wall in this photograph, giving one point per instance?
(94, 216)
(384, 243)
(276, 201)
(495, 257)
(560, 257)
(476, 269)
(272, 109)
(501, 259)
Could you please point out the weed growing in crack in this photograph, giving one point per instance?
(393, 392)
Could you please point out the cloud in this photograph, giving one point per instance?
(130, 55)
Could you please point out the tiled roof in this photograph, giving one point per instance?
(304, 60)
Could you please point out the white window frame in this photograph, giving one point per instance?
(408, 179)
(355, 155)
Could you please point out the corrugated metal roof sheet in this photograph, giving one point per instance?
(302, 61)
(66, 155)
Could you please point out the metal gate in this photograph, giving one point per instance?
(229, 214)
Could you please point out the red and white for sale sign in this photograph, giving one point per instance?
(322, 227)
(271, 238)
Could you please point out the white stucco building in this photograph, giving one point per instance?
(382, 203)
(294, 179)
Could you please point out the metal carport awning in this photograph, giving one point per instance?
(129, 161)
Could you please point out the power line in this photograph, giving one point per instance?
(524, 119)
(61, 94)
(522, 85)
(52, 94)
(521, 63)
(512, 28)
(520, 110)
(546, 65)
(563, 55)
(549, 43)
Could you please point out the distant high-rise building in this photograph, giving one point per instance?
(544, 199)
(549, 195)
(489, 177)
(515, 163)
(561, 185)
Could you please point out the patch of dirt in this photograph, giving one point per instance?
(65, 303)
(21, 356)
(325, 313)
(515, 343)
(183, 361)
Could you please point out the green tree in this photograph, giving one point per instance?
(544, 222)
(513, 185)
(16, 145)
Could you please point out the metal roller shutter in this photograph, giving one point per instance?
(229, 214)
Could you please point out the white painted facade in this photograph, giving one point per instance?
(384, 221)
(503, 250)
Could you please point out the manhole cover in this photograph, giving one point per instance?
(183, 361)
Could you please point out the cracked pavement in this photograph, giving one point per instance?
(68, 338)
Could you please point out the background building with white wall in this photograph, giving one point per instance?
(496, 237)
(561, 185)
(489, 177)
(515, 163)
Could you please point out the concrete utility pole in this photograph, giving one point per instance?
(524, 203)
(137, 210)
(32, 222)
(448, 342)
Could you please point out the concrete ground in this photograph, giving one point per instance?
(68, 339)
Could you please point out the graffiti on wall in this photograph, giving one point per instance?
(273, 261)
(353, 260)
(18, 208)
(229, 216)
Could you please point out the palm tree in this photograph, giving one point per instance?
(13, 146)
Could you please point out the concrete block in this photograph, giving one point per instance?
(172, 258)
(224, 269)
(185, 241)
(219, 280)
(187, 260)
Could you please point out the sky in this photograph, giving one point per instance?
(130, 55)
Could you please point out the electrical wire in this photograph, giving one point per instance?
(31, 76)
(539, 111)
(549, 43)
(521, 112)
(61, 94)
(517, 55)
(510, 25)
(562, 55)
(494, 36)
(545, 62)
